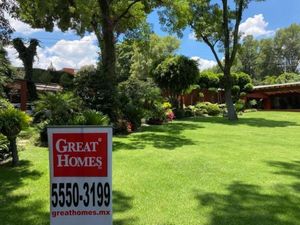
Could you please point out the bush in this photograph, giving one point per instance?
(4, 148)
(179, 113)
(157, 115)
(210, 108)
(90, 117)
(134, 115)
(58, 108)
(240, 105)
(12, 121)
(252, 103)
(139, 99)
(97, 91)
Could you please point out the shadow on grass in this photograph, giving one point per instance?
(162, 141)
(247, 204)
(121, 204)
(12, 207)
(255, 122)
(287, 168)
(172, 127)
(168, 136)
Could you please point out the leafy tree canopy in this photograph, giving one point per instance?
(176, 74)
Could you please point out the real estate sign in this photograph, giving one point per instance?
(80, 175)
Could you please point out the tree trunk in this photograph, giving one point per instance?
(107, 43)
(232, 115)
(229, 104)
(108, 50)
(14, 150)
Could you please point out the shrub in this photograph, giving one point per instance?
(209, 108)
(157, 114)
(179, 113)
(170, 115)
(4, 148)
(252, 104)
(240, 105)
(58, 108)
(133, 114)
(167, 105)
(139, 99)
(90, 117)
(97, 91)
(12, 121)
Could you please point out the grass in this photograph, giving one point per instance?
(204, 171)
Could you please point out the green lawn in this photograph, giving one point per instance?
(203, 171)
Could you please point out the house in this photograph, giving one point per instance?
(277, 96)
(269, 97)
(18, 92)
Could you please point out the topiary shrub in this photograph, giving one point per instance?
(12, 121)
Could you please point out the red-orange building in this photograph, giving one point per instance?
(18, 92)
(268, 97)
(277, 96)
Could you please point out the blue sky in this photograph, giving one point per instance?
(261, 19)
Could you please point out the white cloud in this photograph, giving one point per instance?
(63, 53)
(22, 27)
(256, 26)
(192, 36)
(204, 63)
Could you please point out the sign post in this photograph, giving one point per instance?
(80, 175)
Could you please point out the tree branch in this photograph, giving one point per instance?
(239, 12)
(226, 34)
(126, 10)
(212, 47)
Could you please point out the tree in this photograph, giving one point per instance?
(282, 79)
(107, 19)
(287, 45)
(27, 54)
(268, 59)
(150, 53)
(216, 25)
(137, 57)
(5, 70)
(247, 56)
(175, 75)
(6, 6)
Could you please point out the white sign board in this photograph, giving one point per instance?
(80, 175)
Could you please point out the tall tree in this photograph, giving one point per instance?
(247, 57)
(5, 70)
(287, 45)
(146, 54)
(108, 19)
(217, 25)
(268, 60)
